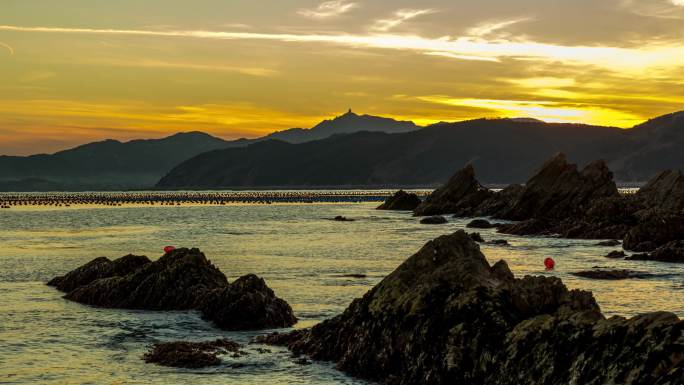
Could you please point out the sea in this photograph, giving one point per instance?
(303, 255)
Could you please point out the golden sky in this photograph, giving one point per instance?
(73, 71)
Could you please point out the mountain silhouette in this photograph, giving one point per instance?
(111, 164)
(503, 151)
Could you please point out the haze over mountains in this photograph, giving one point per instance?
(351, 150)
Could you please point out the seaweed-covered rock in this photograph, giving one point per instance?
(96, 269)
(190, 355)
(177, 281)
(182, 279)
(445, 316)
(401, 201)
(461, 195)
(247, 304)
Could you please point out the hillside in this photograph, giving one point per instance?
(503, 151)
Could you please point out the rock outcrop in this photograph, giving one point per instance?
(460, 196)
(182, 279)
(445, 316)
(670, 252)
(401, 201)
(190, 355)
(246, 304)
(96, 269)
(664, 192)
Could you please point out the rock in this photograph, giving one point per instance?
(303, 361)
(190, 355)
(461, 195)
(610, 243)
(402, 201)
(559, 191)
(353, 276)
(616, 254)
(434, 220)
(476, 237)
(246, 304)
(664, 192)
(670, 252)
(96, 269)
(500, 242)
(446, 317)
(183, 279)
(655, 228)
(611, 274)
(340, 218)
(480, 224)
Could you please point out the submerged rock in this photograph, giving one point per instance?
(445, 316)
(616, 254)
(183, 279)
(611, 274)
(460, 196)
(434, 220)
(401, 201)
(480, 224)
(341, 218)
(190, 355)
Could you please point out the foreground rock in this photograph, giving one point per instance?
(434, 220)
(401, 201)
(611, 274)
(183, 279)
(190, 355)
(445, 316)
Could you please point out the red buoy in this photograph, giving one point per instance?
(549, 263)
(169, 249)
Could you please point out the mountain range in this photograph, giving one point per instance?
(351, 151)
(112, 164)
(502, 150)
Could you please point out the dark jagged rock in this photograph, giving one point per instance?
(670, 252)
(559, 191)
(247, 304)
(476, 237)
(177, 281)
(460, 196)
(610, 243)
(446, 317)
(96, 269)
(434, 220)
(183, 279)
(655, 228)
(500, 201)
(616, 254)
(401, 201)
(190, 355)
(611, 274)
(480, 224)
(664, 192)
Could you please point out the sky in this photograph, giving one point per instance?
(75, 71)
